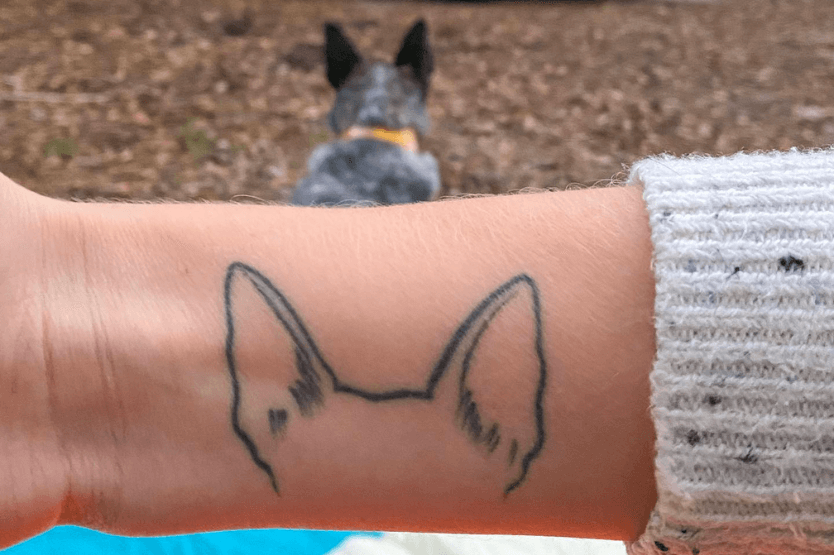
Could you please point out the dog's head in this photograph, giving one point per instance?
(379, 94)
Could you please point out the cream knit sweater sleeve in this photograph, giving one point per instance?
(743, 382)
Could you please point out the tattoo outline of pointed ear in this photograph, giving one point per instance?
(458, 352)
(463, 346)
(341, 56)
(415, 53)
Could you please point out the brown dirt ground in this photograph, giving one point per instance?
(153, 98)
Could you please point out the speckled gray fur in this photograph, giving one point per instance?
(367, 171)
(379, 94)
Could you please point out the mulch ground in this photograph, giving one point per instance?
(189, 99)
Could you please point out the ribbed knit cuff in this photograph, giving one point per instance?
(743, 382)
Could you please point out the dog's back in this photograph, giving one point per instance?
(380, 108)
(367, 170)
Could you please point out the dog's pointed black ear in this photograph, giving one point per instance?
(415, 53)
(340, 54)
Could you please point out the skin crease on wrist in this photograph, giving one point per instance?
(127, 389)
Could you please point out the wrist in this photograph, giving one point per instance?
(33, 465)
(84, 396)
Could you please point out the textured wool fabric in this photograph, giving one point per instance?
(743, 381)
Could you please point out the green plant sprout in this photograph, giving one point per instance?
(197, 142)
(63, 147)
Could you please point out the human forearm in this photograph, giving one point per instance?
(377, 296)
(33, 475)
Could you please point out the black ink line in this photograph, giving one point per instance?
(307, 391)
(471, 416)
(277, 420)
(513, 451)
(536, 450)
(230, 360)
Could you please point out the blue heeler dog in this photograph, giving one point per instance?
(380, 111)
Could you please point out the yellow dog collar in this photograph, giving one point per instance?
(406, 138)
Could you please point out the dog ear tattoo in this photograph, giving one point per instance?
(501, 432)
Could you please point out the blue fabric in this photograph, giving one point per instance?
(80, 541)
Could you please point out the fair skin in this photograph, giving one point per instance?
(476, 365)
